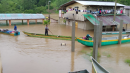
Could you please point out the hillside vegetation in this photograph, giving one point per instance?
(36, 6)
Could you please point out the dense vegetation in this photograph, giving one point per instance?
(36, 6)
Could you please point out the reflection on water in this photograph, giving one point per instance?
(46, 40)
(117, 55)
(16, 38)
(72, 61)
(23, 54)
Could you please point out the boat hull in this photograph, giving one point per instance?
(97, 67)
(115, 33)
(49, 36)
(103, 43)
(81, 71)
(12, 34)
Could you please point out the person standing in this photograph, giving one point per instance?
(15, 27)
(46, 30)
(123, 29)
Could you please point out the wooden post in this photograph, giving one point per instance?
(100, 34)
(1, 68)
(115, 10)
(72, 61)
(126, 27)
(59, 20)
(36, 21)
(73, 37)
(113, 27)
(43, 21)
(120, 31)
(95, 41)
(22, 22)
(28, 21)
(9, 22)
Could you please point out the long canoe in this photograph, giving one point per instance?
(81, 71)
(10, 32)
(115, 33)
(105, 41)
(97, 67)
(49, 36)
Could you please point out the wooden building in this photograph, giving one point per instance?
(89, 13)
(127, 10)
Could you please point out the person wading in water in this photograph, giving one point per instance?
(15, 27)
(46, 30)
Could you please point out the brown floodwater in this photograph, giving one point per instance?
(23, 54)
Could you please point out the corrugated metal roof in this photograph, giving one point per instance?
(21, 16)
(99, 3)
(108, 20)
(62, 7)
(127, 7)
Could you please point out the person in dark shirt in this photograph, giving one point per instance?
(15, 27)
(123, 29)
(46, 30)
(87, 37)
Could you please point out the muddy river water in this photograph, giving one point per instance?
(23, 54)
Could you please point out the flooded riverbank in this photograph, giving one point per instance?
(23, 54)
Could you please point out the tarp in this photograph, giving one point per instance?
(108, 19)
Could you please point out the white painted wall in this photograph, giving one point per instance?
(81, 7)
(89, 26)
(85, 25)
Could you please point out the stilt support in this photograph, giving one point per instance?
(100, 33)
(95, 41)
(113, 27)
(73, 37)
(36, 21)
(43, 21)
(9, 22)
(120, 32)
(22, 22)
(28, 21)
(126, 27)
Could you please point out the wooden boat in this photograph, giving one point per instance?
(114, 33)
(105, 41)
(81, 71)
(10, 32)
(49, 36)
(97, 67)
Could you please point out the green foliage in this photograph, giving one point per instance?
(108, 55)
(46, 22)
(127, 61)
(37, 6)
(64, 21)
(83, 51)
(91, 53)
(41, 9)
